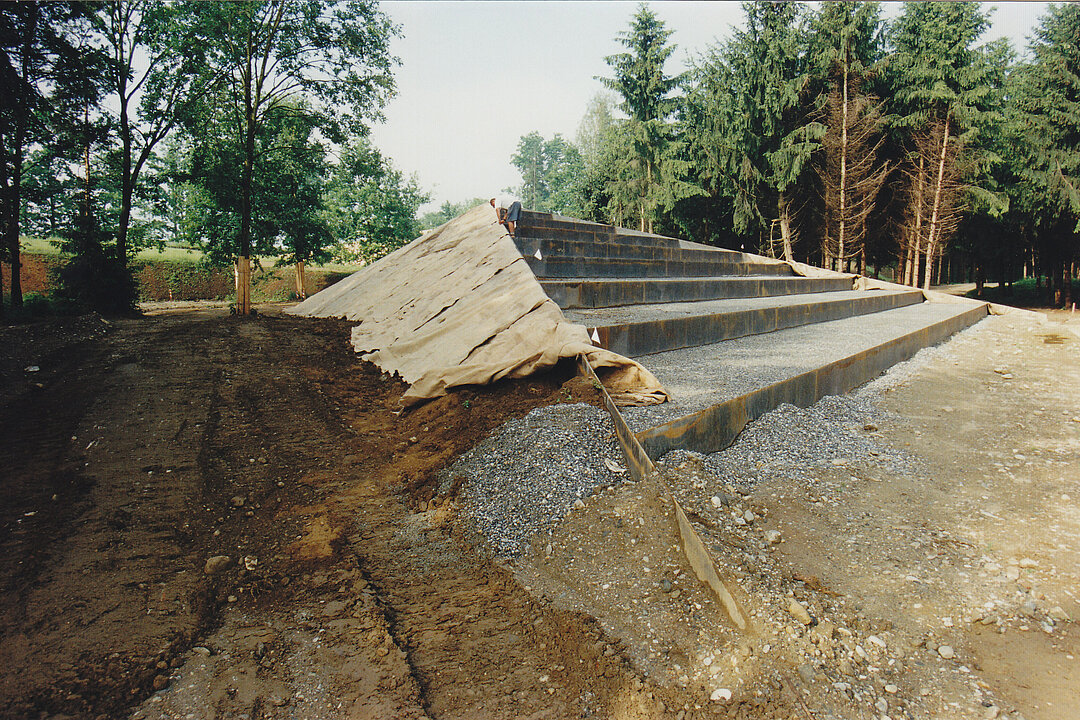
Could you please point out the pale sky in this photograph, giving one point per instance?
(476, 76)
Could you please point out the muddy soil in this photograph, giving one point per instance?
(222, 517)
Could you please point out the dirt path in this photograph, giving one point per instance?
(171, 440)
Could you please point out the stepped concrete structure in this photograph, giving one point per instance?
(729, 334)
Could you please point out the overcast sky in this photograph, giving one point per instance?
(476, 76)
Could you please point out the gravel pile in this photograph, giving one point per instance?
(526, 476)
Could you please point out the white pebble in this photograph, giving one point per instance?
(720, 694)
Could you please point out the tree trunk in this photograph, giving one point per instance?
(840, 236)
(18, 147)
(784, 206)
(932, 240)
(301, 280)
(914, 257)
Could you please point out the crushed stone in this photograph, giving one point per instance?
(527, 476)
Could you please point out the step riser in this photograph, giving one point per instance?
(585, 294)
(715, 428)
(636, 339)
(579, 248)
(558, 267)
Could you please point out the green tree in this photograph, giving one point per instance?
(370, 207)
(655, 173)
(940, 88)
(1047, 94)
(37, 39)
(747, 121)
(551, 172)
(271, 54)
(154, 77)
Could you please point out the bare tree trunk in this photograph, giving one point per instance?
(840, 237)
(932, 234)
(301, 280)
(784, 206)
(916, 250)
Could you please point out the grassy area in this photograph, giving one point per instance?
(48, 246)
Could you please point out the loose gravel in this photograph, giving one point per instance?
(527, 475)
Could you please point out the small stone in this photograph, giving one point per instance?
(772, 537)
(250, 562)
(749, 516)
(238, 501)
(870, 427)
(1028, 563)
(1058, 613)
(946, 652)
(201, 650)
(579, 504)
(875, 640)
(665, 585)
(841, 686)
(992, 712)
(548, 550)
(279, 700)
(716, 501)
(882, 705)
(891, 689)
(720, 695)
(217, 564)
(383, 651)
(232, 598)
(797, 611)
(161, 682)
(807, 673)
(1029, 607)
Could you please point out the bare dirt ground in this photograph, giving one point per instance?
(210, 517)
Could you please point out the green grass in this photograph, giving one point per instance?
(47, 246)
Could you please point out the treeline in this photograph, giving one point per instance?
(239, 128)
(833, 136)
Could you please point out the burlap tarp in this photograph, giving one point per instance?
(460, 306)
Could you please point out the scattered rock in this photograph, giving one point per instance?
(749, 516)
(797, 611)
(946, 652)
(891, 689)
(218, 564)
(716, 501)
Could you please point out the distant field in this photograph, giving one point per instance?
(45, 246)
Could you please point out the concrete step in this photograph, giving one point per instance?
(716, 389)
(635, 330)
(572, 246)
(602, 267)
(611, 292)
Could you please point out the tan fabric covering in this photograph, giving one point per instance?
(460, 306)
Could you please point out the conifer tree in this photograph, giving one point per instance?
(1047, 93)
(846, 47)
(653, 176)
(939, 90)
